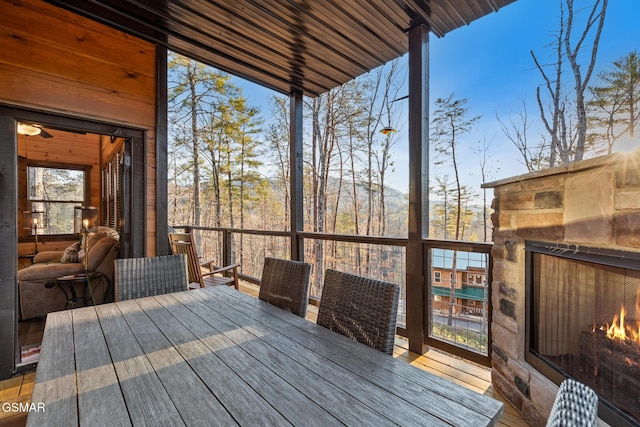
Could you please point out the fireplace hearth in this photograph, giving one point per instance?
(583, 309)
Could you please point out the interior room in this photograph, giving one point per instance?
(68, 184)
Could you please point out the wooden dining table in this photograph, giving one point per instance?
(216, 356)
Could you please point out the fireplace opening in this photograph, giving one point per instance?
(583, 322)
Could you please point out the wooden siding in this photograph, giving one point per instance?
(58, 62)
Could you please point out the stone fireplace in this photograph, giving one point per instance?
(591, 207)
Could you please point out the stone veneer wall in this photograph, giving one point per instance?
(595, 202)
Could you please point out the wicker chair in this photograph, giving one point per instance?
(286, 284)
(362, 309)
(143, 277)
(184, 243)
(575, 405)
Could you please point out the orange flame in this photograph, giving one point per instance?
(618, 330)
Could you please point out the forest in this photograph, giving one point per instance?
(229, 160)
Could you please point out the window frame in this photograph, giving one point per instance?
(85, 169)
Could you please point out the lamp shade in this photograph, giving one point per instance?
(387, 130)
(85, 217)
(28, 130)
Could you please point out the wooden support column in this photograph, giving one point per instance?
(296, 175)
(418, 184)
(8, 245)
(162, 117)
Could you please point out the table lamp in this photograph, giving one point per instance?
(84, 219)
(33, 219)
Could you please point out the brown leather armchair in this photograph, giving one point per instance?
(37, 292)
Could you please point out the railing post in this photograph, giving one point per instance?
(226, 247)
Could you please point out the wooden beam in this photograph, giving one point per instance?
(296, 175)
(418, 184)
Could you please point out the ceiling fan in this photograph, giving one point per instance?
(32, 129)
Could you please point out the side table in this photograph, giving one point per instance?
(67, 285)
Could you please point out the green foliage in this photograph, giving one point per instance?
(614, 108)
(462, 337)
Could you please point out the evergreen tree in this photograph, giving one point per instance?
(615, 105)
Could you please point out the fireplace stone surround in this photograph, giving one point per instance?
(594, 202)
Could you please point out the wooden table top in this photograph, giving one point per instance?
(216, 356)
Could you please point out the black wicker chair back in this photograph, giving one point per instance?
(285, 284)
(360, 308)
(143, 277)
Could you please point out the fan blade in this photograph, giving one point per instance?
(45, 134)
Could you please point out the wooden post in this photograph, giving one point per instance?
(418, 184)
(162, 204)
(296, 175)
(8, 245)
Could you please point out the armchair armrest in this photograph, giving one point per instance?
(213, 269)
(225, 280)
(39, 272)
(47, 256)
(226, 268)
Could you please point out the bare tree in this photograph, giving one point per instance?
(450, 122)
(278, 138)
(485, 170)
(516, 129)
(565, 117)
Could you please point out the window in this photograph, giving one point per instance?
(436, 276)
(55, 192)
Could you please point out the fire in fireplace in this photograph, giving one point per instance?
(583, 322)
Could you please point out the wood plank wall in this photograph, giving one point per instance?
(55, 61)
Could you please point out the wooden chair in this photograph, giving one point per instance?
(143, 277)
(184, 243)
(575, 405)
(360, 308)
(285, 284)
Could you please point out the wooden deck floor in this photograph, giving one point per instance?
(18, 389)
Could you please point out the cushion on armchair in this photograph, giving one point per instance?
(70, 254)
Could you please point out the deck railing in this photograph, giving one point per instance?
(459, 326)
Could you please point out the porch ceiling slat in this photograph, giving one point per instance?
(285, 45)
(234, 47)
(232, 41)
(307, 41)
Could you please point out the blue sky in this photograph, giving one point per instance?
(489, 63)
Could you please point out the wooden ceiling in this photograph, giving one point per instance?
(308, 45)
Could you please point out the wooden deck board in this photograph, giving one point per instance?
(469, 375)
